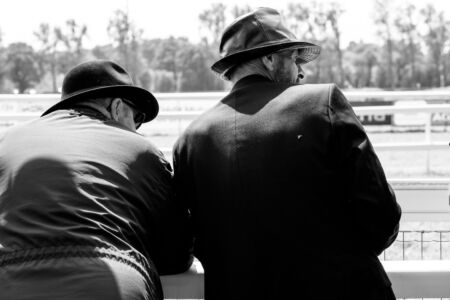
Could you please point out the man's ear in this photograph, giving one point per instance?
(116, 104)
(268, 61)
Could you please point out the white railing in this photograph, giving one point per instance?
(174, 108)
(423, 199)
(426, 144)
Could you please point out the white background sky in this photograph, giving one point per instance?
(160, 18)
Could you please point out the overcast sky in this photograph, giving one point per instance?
(159, 18)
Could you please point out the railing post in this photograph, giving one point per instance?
(179, 128)
(179, 120)
(428, 140)
(421, 245)
(403, 245)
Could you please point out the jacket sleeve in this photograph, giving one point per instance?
(185, 187)
(173, 252)
(371, 202)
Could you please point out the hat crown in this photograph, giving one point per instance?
(261, 27)
(104, 78)
(92, 75)
(258, 33)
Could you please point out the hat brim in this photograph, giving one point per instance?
(142, 98)
(309, 52)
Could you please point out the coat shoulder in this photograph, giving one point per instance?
(202, 125)
(315, 91)
(314, 98)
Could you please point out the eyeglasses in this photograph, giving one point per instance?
(293, 55)
(139, 117)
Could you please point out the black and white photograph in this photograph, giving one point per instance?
(225, 149)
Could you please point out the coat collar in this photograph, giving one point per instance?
(249, 80)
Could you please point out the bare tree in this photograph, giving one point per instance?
(309, 22)
(301, 21)
(406, 24)
(167, 57)
(72, 37)
(361, 60)
(127, 37)
(438, 34)
(2, 62)
(213, 21)
(333, 14)
(22, 66)
(383, 20)
(48, 41)
(237, 11)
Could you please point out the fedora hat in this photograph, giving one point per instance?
(103, 78)
(256, 34)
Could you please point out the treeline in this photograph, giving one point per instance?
(413, 50)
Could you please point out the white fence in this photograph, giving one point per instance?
(426, 144)
(16, 108)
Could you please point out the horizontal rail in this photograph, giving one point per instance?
(359, 110)
(420, 146)
(190, 115)
(214, 96)
(19, 117)
(411, 146)
(419, 279)
(30, 97)
(350, 95)
(410, 279)
(420, 183)
(393, 109)
(423, 199)
(428, 95)
(163, 115)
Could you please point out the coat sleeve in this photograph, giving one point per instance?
(371, 202)
(173, 252)
(185, 187)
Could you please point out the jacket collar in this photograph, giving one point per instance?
(89, 111)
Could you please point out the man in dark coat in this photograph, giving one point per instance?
(288, 198)
(87, 207)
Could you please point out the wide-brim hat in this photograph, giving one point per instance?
(103, 78)
(258, 33)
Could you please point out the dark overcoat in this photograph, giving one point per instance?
(288, 198)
